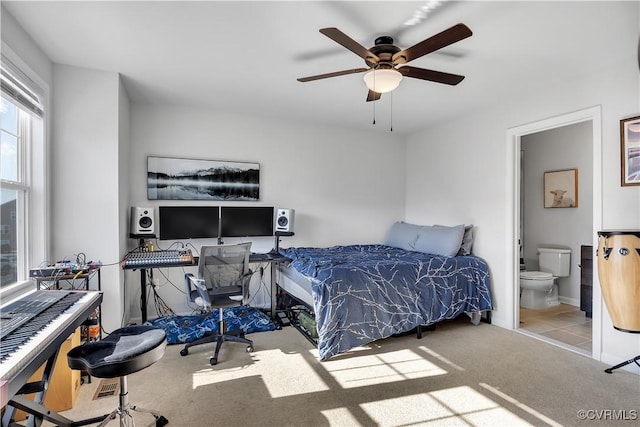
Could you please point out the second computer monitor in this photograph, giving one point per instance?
(243, 221)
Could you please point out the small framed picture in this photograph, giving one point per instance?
(561, 189)
(630, 151)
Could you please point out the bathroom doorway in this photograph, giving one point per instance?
(562, 143)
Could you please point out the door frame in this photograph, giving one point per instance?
(514, 135)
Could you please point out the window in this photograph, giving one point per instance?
(22, 136)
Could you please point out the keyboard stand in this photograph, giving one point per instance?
(35, 408)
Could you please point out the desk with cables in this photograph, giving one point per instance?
(49, 280)
(146, 261)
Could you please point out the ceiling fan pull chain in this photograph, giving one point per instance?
(374, 101)
(374, 110)
(391, 121)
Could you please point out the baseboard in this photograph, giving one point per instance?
(570, 301)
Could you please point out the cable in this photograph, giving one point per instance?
(162, 309)
(171, 282)
(262, 286)
(81, 259)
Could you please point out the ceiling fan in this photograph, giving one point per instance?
(383, 60)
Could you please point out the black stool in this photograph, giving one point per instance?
(123, 352)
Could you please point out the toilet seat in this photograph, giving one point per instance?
(535, 275)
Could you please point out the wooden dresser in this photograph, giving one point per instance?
(586, 279)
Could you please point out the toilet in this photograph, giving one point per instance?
(538, 289)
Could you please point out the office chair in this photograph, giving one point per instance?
(223, 276)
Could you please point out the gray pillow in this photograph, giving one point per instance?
(467, 240)
(403, 235)
(440, 240)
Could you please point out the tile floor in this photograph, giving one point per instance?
(563, 323)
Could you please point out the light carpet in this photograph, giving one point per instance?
(458, 375)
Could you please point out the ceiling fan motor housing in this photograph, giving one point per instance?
(383, 49)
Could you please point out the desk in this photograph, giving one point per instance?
(274, 259)
(69, 278)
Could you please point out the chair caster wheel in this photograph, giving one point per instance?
(213, 361)
(161, 421)
(184, 352)
(249, 349)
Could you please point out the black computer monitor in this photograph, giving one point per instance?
(244, 221)
(189, 222)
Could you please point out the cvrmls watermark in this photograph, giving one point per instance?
(608, 414)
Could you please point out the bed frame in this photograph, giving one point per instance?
(293, 298)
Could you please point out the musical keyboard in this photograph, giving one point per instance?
(44, 320)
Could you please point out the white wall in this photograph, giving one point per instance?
(124, 149)
(85, 196)
(345, 186)
(567, 147)
(467, 163)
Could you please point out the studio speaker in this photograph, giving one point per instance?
(142, 222)
(284, 220)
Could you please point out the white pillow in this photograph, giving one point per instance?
(403, 235)
(467, 240)
(440, 240)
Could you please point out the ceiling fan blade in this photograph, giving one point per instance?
(334, 74)
(434, 76)
(341, 38)
(373, 96)
(445, 38)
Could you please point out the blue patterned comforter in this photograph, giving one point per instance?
(363, 293)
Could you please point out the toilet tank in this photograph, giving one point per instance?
(555, 261)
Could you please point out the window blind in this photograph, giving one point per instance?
(20, 88)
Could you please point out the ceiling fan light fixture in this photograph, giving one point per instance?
(382, 81)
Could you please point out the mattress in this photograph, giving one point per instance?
(296, 284)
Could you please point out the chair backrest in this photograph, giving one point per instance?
(225, 269)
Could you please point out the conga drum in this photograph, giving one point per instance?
(619, 273)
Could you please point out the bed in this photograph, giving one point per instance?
(362, 293)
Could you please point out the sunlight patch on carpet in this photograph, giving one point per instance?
(283, 374)
(452, 406)
(521, 405)
(440, 358)
(340, 417)
(381, 368)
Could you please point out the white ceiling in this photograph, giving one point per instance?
(245, 56)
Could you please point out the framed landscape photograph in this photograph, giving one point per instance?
(630, 151)
(171, 178)
(561, 189)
